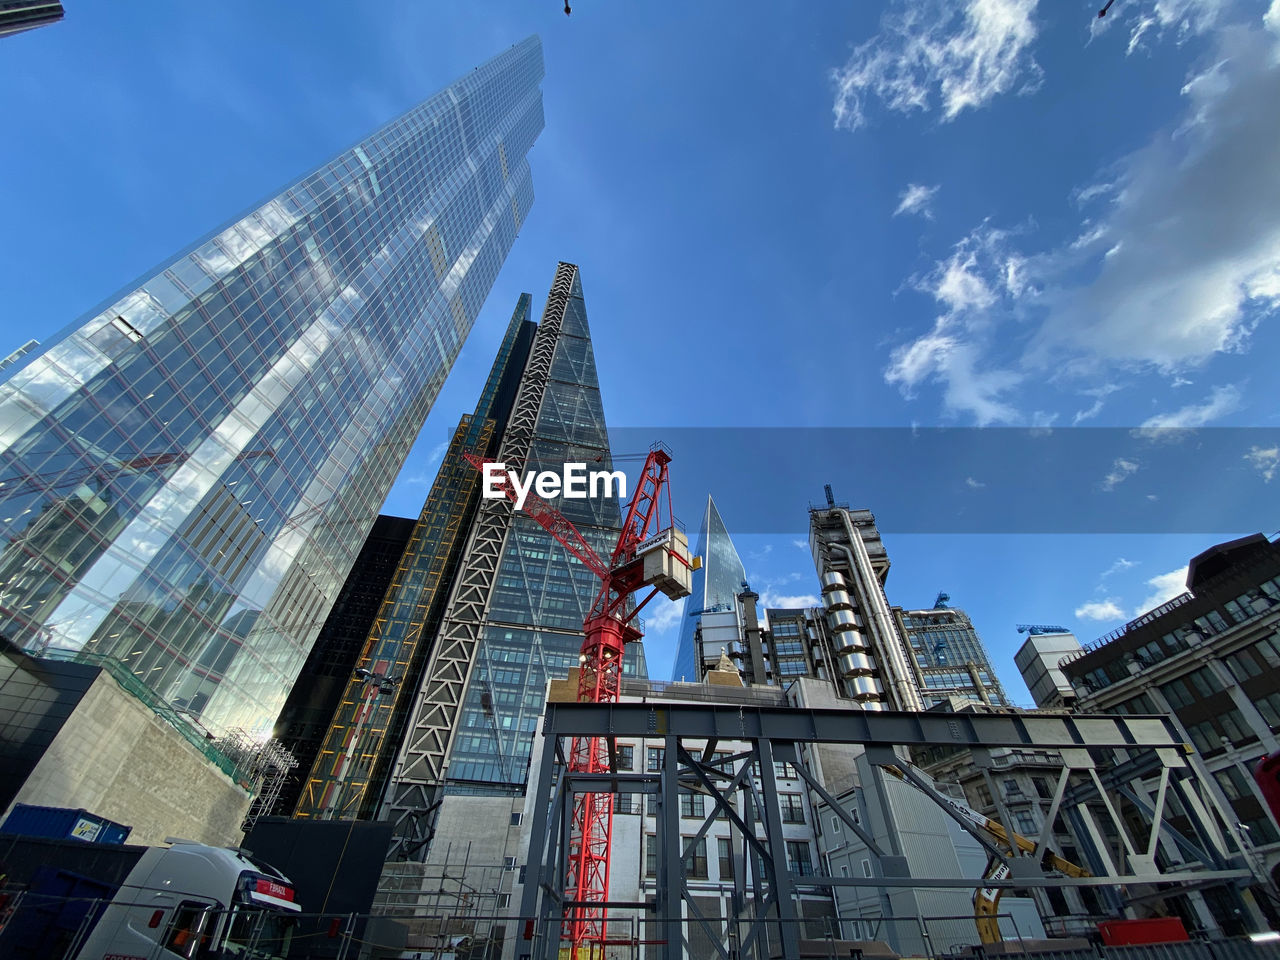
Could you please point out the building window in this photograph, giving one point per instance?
(654, 764)
(844, 869)
(1268, 650)
(650, 855)
(782, 770)
(1260, 831)
(504, 901)
(651, 804)
(622, 803)
(799, 860)
(1012, 790)
(626, 757)
(726, 858)
(835, 824)
(792, 807)
(508, 863)
(1042, 788)
(1233, 783)
(1269, 707)
(695, 865)
(1025, 823)
(866, 867)
(692, 804)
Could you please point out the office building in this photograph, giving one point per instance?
(516, 604)
(1037, 660)
(873, 663)
(951, 657)
(345, 777)
(19, 15)
(1210, 658)
(329, 667)
(189, 471)
(711, 620)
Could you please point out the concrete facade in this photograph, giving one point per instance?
(115, 757)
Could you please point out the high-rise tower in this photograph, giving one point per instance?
(952, 658)
(873, 660)
(187, 473)
(518, 600)
(346, 775)
(711, 620)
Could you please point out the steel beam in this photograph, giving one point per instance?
(697, 721)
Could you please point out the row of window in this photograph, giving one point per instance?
(1253, 602)
(799, 857)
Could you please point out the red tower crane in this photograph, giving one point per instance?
(650, 552)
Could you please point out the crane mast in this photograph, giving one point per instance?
(650, 552)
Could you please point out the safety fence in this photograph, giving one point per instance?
(48, 927)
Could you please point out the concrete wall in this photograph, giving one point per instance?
(116, 758)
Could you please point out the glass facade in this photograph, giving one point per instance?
(540, 595)
(715, 589)
(362, 734)
(187, 473)
(951, 656)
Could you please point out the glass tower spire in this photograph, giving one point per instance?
(715, 591)
(518, 600)
(187, 473)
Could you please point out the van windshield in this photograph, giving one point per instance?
(258, 933)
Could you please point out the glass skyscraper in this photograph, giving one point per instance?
(518, 599)
(188, 472)
(952, 657)
(363, 734)
(713, 605)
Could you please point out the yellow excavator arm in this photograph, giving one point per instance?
(986, 900)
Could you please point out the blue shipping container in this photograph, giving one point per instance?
(59, 822)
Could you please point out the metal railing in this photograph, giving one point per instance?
(57, 928)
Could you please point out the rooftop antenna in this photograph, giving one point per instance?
(1101, 13)
(831, 499)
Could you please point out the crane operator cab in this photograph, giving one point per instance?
(664, 563)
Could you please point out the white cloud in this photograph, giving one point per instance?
(1272, 17)
(1221, 401)
(1181, 18)
(954, 364)
(961, 54)
(1164, 587)
(968, 284)
(1264, 459)
(1120, 564)
(974, 484)
(916, 199)
(665, 617)
(801, 545)
(1121, 471)
(1100, 610)
(768, 598)
(1099, 395)
(1185, 258)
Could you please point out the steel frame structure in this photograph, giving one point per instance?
(1100, 754)
(413, 794)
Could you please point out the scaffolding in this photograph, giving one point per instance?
(261, 766)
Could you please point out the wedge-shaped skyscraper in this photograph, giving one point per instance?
(515, 608)
(187, 473)
(712, 619)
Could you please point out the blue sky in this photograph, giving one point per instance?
(988, 213)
